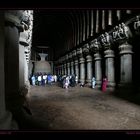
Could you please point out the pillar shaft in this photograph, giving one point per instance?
(82, 70)
(126, 63)
(65, 69)
(21, 66)
(89, 69)
(77, 69)
(5, 116)
(98, 70)
(109, 65)
(12, 60)
(72, 67)
(68, 68)
(62, 69)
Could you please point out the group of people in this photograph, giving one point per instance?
(42, 79)
(65, 81)
(68, 80)
(104, 83)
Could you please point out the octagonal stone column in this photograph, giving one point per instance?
(13, 26)
(95, 47)
(89, 64)
(82, 65)
(68, 64)
(110, 68)
(126, 63)
(62, 68)
(76, 63)
(71, 64)
(98, 69)
(68, 68)
(5, 116)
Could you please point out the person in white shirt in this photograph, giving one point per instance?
(39, 80)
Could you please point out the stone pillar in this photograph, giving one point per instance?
(5, 116)
(23, 55)
(82, 69)
(12, 60)
(109, 64)
(52, 67)
(65, 70)
(126, 63)
(75, 64)
(98, 69)
(21, 66)
(76, 68)
(13, 97)
(68, 68)
(89, 69)
(62, 69)
(72, 67)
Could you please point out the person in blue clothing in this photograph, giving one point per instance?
(93, 82)
(49, 79)
(33, 80)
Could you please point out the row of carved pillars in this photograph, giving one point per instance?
(79, 65)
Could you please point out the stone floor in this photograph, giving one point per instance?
(80, 108)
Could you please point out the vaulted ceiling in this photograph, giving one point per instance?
(52, 28)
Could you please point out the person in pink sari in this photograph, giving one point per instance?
(104, 84)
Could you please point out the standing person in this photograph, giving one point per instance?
(49, 79)
(104, 84)
(67, 82)
(76, 79)
(55, 78)
(39, 80)
(33, 80)
(93, 82)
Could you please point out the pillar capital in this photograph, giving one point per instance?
(14, 17)
(109, 53)
(79, 52)
(74, 54)
(105, 40)
(81, 60)
(20, 18)
(89, 58)
(121, 33)
(86, 49)
(67, 57)
(95, 45)
(76, 62)
(97, 56)
(70, 56)
(125, 48)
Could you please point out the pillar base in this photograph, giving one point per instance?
(111, 86)
(88, 83)
(98, 85)
(82, 81)
(6, 122)
(127, 87)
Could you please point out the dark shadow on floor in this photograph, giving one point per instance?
(131, 94)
